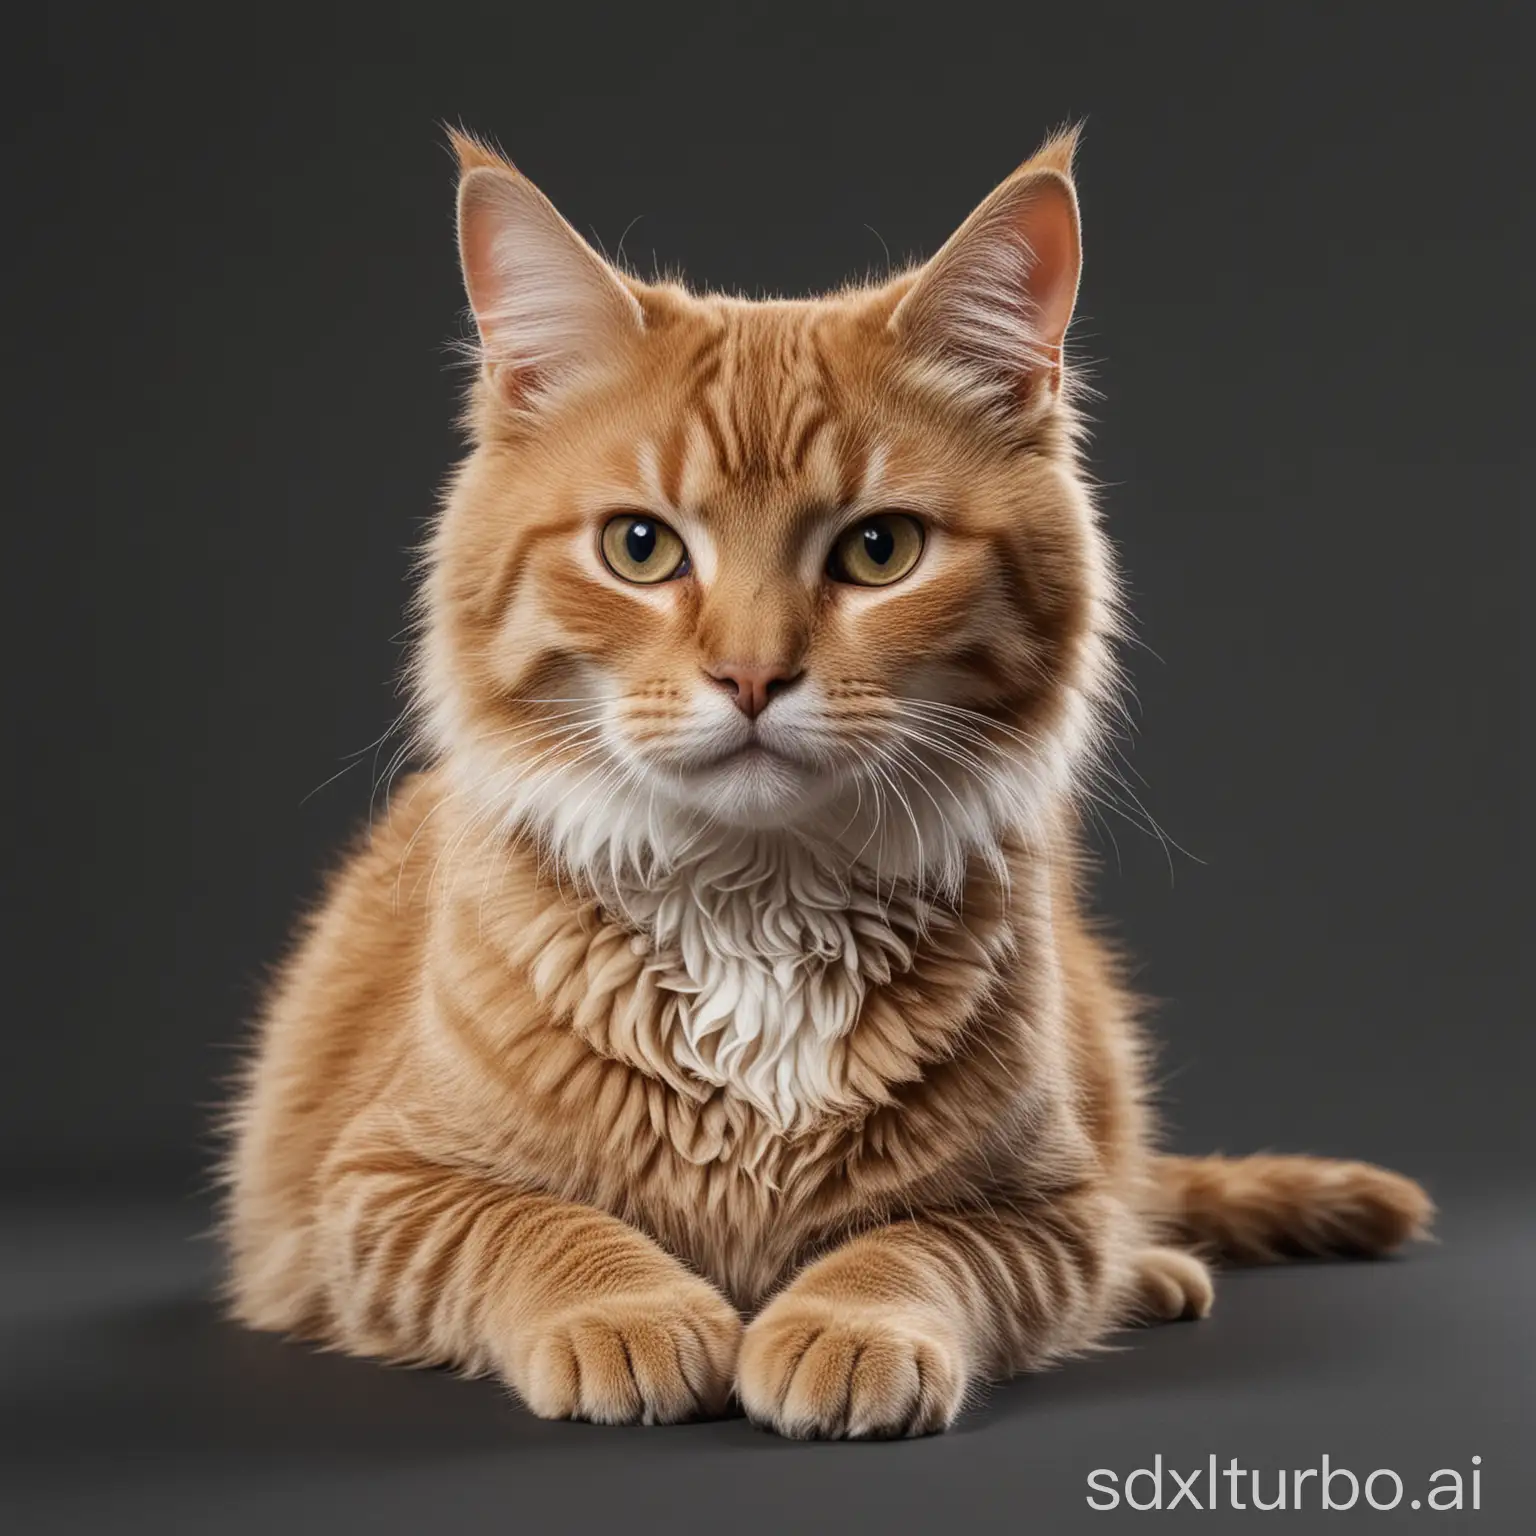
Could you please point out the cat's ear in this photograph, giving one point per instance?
(548, 308)
(994, 304)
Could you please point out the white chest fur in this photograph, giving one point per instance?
(764, 952)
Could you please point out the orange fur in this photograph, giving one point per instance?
(645, 1056)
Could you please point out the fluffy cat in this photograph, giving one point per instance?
(717, 1015)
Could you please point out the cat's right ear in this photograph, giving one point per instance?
(548, 308)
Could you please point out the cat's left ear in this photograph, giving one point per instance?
(995, 302)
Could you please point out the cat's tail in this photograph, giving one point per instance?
(1261, 1210)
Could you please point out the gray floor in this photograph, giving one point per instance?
(126, 1404)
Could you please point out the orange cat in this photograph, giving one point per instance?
(717, 1014)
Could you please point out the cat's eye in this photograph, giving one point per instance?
(877, 551)
(641, 549)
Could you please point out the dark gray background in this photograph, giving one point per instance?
(228, 402)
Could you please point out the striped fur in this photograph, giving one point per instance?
(644, 1070)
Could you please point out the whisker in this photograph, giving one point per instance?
(354, 758)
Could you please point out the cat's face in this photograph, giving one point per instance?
(821, 565)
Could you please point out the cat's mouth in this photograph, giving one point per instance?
(752, 766)
(753, 785)
(753, 751)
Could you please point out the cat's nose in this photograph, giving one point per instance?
(752, 688)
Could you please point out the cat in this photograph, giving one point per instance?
(717, 1017)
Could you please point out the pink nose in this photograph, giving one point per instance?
(752, 688)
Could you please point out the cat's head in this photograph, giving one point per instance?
(821, 567)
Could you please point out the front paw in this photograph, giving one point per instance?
(652, 1359)
(814, 1369)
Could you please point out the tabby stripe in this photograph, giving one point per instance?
(425, 1263)
(704, 413)
(420, 1287)
(515, 566)
(819, 418)
(1022, 1282)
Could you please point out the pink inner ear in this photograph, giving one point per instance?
(479, 270)
(485, 281)
(1046, 220)
(482, 219)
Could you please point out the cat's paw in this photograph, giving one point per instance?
(652, 1359)
(816, 1370)
(1170, 1284)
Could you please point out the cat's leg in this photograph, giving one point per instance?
(886, 1334)
(583, 1315)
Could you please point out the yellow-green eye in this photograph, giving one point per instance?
(877, 551)
(638, 548)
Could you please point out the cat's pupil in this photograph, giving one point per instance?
(879, 543)
(640, 542)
